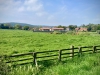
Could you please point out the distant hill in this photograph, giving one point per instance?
(22, 24)
(25, 24)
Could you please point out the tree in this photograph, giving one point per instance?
(6, 26)
(25, 27)
(2, 26)
(17, 26)
(83, 25)
(98, 27)
(60, 26)
(89, 28)
(93, 27)
(72, 27)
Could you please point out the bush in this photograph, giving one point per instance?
(57, 32)
(4, 68)
(98, 31)
(71, 32)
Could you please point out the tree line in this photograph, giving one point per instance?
(17, 26)
(90, 27)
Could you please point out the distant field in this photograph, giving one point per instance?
(20, 41)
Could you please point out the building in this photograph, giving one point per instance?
(44, 29)
(81, 29)
(57, 29)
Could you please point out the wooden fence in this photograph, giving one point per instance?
(34, 57)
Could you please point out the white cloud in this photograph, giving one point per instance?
(33, 5)
(20, 6)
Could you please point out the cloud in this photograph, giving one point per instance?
(32, 5)
(21, 10)
(8, 7)
(48, 11)
(20, 6)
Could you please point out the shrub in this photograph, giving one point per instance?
(4, 68)
(57, 32)
(98, 31)
(71, 32)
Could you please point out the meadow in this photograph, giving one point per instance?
(85, 65)
(20, 41)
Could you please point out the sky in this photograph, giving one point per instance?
(50, 12)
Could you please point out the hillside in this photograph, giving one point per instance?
(25, 24)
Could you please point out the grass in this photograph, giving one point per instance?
(20, 41)
(86, 65)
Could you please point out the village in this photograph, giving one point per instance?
(48, 29)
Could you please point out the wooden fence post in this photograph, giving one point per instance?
(59, 58)
(34, 58)
(80, 51)
(94, 49)
(72, 51)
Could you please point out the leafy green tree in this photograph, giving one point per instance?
(17, 26)
(2, 26)
(93, 27)
(72, 27)
(6, 26)
(89, 28)
(60, 26)
(83, 25)
(25, 27)
(98, 27)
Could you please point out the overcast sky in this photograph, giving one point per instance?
(50, 12)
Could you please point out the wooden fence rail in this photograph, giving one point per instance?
(50, 55)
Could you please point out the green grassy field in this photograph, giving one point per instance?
(86, 65)
(19, 41)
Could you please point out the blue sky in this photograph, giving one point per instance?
(50, 12)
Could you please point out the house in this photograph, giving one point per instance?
(35, 29)
(57, 29)
(81, 29)
(44, 29)
(50, 29)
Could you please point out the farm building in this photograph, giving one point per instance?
(45, 29)
(35, 29)
(80, 29)
(57, 29)
(51, 29)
